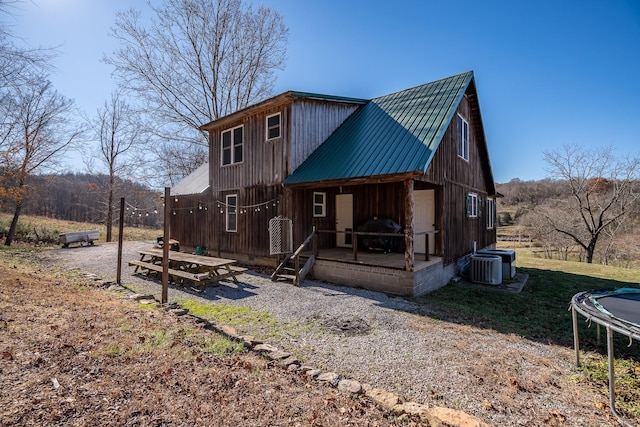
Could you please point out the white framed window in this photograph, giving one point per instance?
(319, 204)
(273, 126)
(463, 138)
(491, 213)
(232, 146)
(472, 205)
(232, 212)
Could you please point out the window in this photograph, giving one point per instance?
(472, 205)
(273, 126)
(232, 146)
(463, 138)
(319, 204)
(491, 213)
(232, 212)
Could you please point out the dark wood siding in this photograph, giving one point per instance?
(264, 162)
(192, 220)
(311, 124)
(457, 177)
(305, 125)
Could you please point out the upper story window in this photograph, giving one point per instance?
(463, 138)
(232, 146)
(319, 204)
(273, 130)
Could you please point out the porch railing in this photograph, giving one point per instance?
(354, 240)
(299, 274)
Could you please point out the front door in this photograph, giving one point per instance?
(424, 219)
(344, 219)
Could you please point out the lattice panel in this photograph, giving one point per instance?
(280, 235)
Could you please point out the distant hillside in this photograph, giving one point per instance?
(516, 219)
(82, 198)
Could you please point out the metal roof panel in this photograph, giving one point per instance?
(395, 133)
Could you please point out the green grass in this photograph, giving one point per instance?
(541, 313)
(48, 229)
(259, 323)
(223, 314)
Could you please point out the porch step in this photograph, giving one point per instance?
(289, 277)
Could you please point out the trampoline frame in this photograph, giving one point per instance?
(611, 324)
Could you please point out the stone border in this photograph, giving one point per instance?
(434, 416)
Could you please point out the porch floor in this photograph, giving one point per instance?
(378, 259)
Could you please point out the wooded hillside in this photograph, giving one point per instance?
(82, 198)
(522, 210)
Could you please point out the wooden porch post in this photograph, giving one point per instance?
(408, 224)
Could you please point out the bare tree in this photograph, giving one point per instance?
(545, 234)
(118, 136)
(197, 61)
(41, 129)
(19, 67)
(601, 192)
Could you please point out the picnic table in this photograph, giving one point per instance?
(183, 267)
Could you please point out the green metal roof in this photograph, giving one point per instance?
(392, 134)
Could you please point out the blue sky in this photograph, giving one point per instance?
(548, 73)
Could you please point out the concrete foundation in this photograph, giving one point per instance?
(427, 278)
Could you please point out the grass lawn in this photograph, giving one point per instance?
(541, 313)
(49, 228)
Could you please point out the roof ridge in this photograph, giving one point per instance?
(466, 73)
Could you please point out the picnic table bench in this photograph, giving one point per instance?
(198, 269)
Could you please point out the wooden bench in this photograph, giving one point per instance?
(196, 277)
(231, 272)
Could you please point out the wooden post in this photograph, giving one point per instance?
(165, 246)
(354, 244)
(120, 234)
(316, 247)
(408, 224)
(426, 245)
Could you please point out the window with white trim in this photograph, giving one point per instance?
(232, 146)
(472, 205)
(491, 213)
(232, 213)
(319, 204)
(463, 138)
(273, 126)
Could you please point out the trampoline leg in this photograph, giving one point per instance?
(612, 378)
(576, 341)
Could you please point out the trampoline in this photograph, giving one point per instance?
(617, 310)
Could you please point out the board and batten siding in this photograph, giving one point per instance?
(457, 177)
(305, 125)
(264, 161)
(311, 124)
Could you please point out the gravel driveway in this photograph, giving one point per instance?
(392, 343)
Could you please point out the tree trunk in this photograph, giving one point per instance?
(109, 215)
(590, 250)
(110, 206)
(14, 224)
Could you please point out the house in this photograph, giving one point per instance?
(416, 160)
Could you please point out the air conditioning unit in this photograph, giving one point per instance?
(486, 269)
(508, 261)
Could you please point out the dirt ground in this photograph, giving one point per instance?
(76, 356)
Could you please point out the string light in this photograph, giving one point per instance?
(241, 209)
